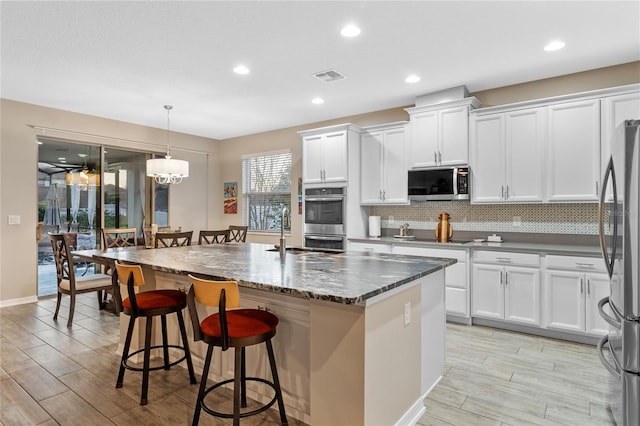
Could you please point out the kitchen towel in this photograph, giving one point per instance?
(374, 226)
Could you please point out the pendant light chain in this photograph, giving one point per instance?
(168, 108)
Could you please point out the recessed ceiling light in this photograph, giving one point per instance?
(241, 69)
(412, 79)
(350, 31)
(554, 45)
(317, 101)
(82, 155)
(62, 158)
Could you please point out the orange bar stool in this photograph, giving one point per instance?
(237, 328)
(150, 304)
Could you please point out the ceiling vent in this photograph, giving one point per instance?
(329, 76)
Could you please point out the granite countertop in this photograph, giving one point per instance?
(348, 278)
(518, 246)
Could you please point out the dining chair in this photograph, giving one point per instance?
(231, 327)
(173, 239)
(150, 304)
(68, 282)
(119, 237)
(147, 234)
(237, 233)
(213, 237)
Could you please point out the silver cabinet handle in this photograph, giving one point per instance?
(584, 265)
(439, 157)
(502, 192)
(581, 285)
(384, 195)
(501, 279)
(506, 278)
(588, 286)
(504, 259)
(507, 192)
(380, 195)
(435, 157)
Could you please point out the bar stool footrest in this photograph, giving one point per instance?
(247, 413)
(159, 367)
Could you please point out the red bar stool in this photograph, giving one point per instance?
(237, 328)
(149, 304)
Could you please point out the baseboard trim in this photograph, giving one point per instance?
(578, 338)
(19, 301)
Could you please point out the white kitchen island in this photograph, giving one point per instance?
(361, 335)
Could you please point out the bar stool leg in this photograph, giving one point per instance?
(165, 341)
(187, 351)
(243, 381)
(276, 382)
(147, 361)
(125, 351)
(203, 386)
(237, 373)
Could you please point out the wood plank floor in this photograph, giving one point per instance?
(50, 374)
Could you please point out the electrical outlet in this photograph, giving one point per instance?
(517, 221)
(407, 314)
(391, 220)
(14, 219)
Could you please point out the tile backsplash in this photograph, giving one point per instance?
(579, 219)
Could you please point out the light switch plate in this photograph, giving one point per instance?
(14, 219)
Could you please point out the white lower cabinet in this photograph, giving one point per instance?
(372, 247)
(506, 286)
(573, 288)
(456, 277)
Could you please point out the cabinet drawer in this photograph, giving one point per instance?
(506, 258)
(581, 263)
(459, 255)
(456, 301)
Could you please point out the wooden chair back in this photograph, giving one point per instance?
(119, 237)
(147, 233)
(173, 239)
(238, 234)
(213, 237)
(61, 245)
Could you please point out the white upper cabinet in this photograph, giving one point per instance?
(573, 151)
(615, 110)
(326, 154)
(507, 157)
(383, 165)
(439, 133)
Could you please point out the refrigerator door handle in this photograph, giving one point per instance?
(609, 174)
(613, 369)
(614, 321)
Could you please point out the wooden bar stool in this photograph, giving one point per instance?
(149, 304)
(237, 328)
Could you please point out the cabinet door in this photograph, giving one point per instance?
(424, 139)
(456, 301)
(573, 151)
(312, 159)
(394, 167)
(522, 295)
(565, 307)
(597, 289)
(487, 159)
(615, 110)
(488, 294)
(370, 168)
(335, 157)
(453, 136)
(525, 136)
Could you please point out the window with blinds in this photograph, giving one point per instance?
(266, 189)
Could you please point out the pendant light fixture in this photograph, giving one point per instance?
(167, 170)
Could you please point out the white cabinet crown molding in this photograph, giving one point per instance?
(384, 126)
(330, 129)
(593, 94)
(472, 101)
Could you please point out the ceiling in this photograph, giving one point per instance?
(125, 60)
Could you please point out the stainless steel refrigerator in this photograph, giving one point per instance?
(619, 239)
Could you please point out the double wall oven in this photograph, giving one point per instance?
(325, 211)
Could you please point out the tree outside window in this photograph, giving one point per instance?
(266, 190)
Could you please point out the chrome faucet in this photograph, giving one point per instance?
(283, 241)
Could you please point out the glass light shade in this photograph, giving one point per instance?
(167, 170)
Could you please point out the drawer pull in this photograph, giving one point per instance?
(504, 259)
(584, 265)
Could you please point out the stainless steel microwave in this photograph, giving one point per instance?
(443, 183)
